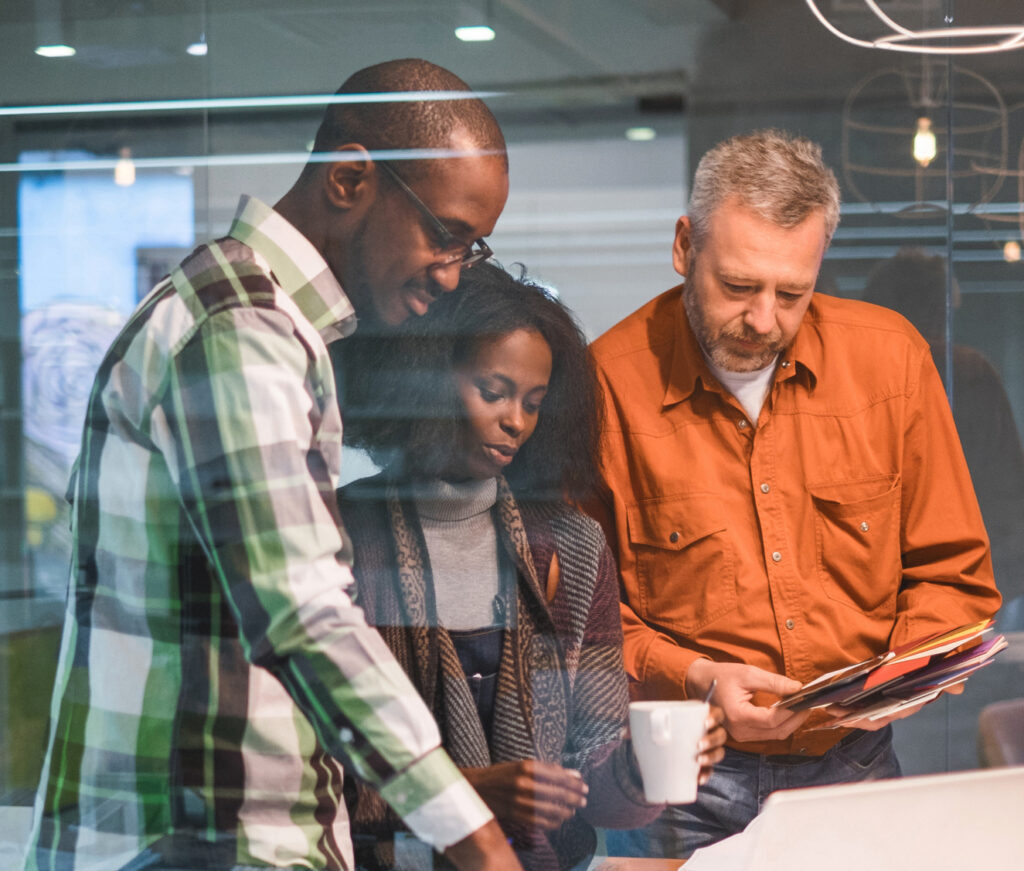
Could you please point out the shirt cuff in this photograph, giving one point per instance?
(436, 802)
(665, 667)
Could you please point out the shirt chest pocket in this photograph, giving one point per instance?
(857, 538)
(685, 565)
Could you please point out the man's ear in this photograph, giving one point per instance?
(682, 246)
(349, 181)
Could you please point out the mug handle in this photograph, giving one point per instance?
(661, 727)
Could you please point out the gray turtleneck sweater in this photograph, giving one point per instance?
(462, 545)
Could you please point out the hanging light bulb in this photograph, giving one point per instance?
(124, 169)
(924, 142)
(476, 24)
(199, 48)
(52, 35)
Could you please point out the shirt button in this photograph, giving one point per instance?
(864, 526)
(765, 488)
(742, 424)
(776, 556)
(674, 537)
(790, 624)
(803, 751)
(785, 364)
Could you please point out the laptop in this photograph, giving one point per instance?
(965, 821)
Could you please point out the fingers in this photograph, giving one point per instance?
(738, 685)
(753, 723)
(715, 735)
(530, 792)
(707, 761)
(869, 725)
(706, 770)
(546, 795)
(541, 814)
(551, 782)
(757, 679)
(715, 718)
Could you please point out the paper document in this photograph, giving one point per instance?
(900, 678)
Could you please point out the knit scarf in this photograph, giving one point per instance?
(535, 677)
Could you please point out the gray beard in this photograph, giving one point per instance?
(711, 344)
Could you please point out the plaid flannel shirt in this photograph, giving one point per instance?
(211, 653)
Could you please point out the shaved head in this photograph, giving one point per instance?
(409, 124)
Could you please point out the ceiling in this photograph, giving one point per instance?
(574, 70)
(556, 62)
(130, 49)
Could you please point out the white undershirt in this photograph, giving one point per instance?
(749, 388)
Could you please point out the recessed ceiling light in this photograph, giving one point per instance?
(198, 49)
(640, 134)
(475, 33)
(55, 51)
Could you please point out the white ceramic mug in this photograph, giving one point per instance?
(665, 737)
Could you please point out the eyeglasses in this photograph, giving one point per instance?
(451, 249)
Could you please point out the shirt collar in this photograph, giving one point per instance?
(298, 267)
(687, 361)
(803, 358)
(688, 367)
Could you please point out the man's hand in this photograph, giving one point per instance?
(868, 725)
(487, 849)
(734, 692)
(837, 713)
(531, 792)
(712, 745)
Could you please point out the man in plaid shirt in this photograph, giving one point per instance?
(214, 672)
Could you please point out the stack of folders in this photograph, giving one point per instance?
(908, 675)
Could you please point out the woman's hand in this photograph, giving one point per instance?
(712, 745)
(529, 793)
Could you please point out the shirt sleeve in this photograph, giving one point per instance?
(947, 567)
(651, 658)
(244, 436)
(600, 712)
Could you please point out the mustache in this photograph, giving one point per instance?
(771, 341)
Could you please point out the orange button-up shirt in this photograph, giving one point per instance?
(843, 523)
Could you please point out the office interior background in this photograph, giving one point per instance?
(123, 149)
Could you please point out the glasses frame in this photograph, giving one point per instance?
(476, 252)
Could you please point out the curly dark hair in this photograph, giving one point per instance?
(401, 405)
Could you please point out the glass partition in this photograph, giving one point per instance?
(119, 158)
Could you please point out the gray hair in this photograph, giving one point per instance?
(780, 177)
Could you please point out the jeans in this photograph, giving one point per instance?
(742, 782)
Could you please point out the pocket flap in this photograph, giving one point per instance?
(842, 497)
(675, 522)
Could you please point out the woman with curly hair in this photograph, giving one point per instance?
(498, 598)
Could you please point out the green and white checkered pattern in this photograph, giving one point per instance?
(211, 653)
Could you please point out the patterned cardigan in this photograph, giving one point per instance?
(580, 623)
